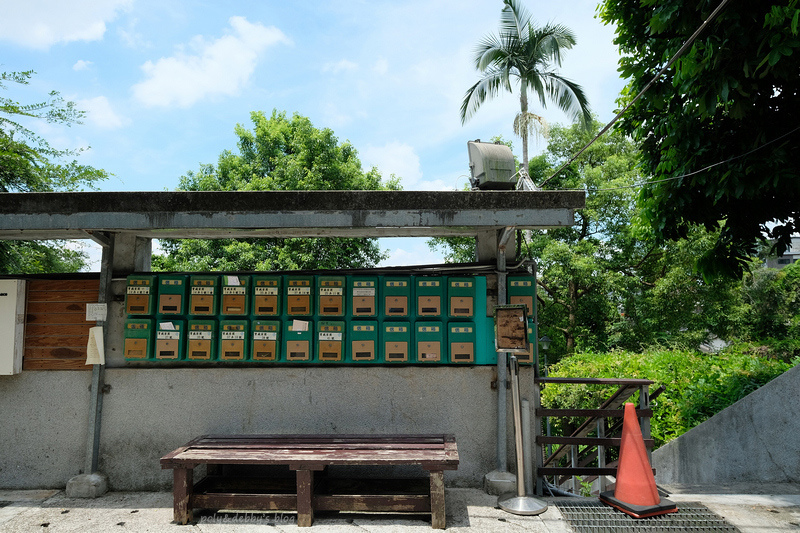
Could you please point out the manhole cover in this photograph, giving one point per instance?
(596, 517)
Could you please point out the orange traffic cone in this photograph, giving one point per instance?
(635, 492)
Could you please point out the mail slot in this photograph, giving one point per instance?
(330, 295)
(298, 336)
(140, 295)
(235, 296)
(265, 343)
(522, 291)
(202, 343)
(396, 296)
(298, 295)
(233, 340)
(138, 341)
(267, 295)
(363, 296)
(461, 297)
(461, 338)
(330, 341)
(170, 339)
(429, 337)
(396, 341)
(172, 295)
(363, 341)
(203, 295)
(430, 296)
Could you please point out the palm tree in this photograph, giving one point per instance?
(528, 53)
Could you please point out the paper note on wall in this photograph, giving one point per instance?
(95, 353)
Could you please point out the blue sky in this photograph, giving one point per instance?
(165, 82)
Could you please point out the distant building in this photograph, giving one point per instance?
(791, 255)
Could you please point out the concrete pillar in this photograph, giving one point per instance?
(131, 254)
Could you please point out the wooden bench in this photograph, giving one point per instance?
(307, 454)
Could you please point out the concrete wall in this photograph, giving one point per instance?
(754, 440)
(149, 412)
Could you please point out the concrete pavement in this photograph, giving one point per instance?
(50, 511)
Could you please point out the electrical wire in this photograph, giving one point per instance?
(672, 60)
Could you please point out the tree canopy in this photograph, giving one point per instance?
(28, 163)
(718, 132)
(279, 153)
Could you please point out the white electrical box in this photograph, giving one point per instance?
(12, 325)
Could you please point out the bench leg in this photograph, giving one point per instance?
(437, 499)
(182, 485)
(305, 497)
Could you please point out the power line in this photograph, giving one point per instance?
(674, 58)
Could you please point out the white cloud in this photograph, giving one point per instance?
(81, 65)
(395, 158)
(219, 67)
(39, 24)
(381, 67)
(409, 251)
(100, 113)
(340, 66)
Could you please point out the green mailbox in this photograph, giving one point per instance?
(396, 342)
(138, 339)
(363, 296)
(202, 340)
(363, 341)
(233, 340)
(429, 337)
(522, 291)
(203, 295)
(172, 294)
(430, 293)
(397, 296)
(527, 357)
(235, 296)
(298, 337)
(330, 296)
(265, 340)
(140, 295)
(330, 341)
(170, 340)
(298, 295)
(267, 296)
(461, 339)
(461, 297)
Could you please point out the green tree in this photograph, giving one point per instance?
(719, 131)
(29, 164)
(528, 53)
(279, 153)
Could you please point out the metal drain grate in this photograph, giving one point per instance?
(596, 517)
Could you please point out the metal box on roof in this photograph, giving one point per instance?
(170, 340)
(491, 165)
(298, 337)
(461, 339)
(202, 340)
(299, 295)
(461, 297)
(396, 342)
(235, 296)
(330, 341)
(137, 344)
(430, 293)
(397, 296)
(233, 340)
(363, 296)
(267, 296)
(363, 339)
(330, 296)
(203, 295)
(429, 339)
(265, 340)
(172, 294)
(140, 295)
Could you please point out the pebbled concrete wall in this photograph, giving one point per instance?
(754, 440)
(149, 412)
